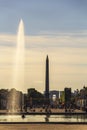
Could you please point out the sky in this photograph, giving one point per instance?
(54, 27)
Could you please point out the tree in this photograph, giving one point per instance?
(37, 97)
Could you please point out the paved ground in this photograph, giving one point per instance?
(43, 127)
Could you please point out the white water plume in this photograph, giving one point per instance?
(18, 78)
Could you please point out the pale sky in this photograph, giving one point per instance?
(54, 27)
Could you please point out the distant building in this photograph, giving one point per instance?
(62, 96)
(67, 97)
(54, 92)
(54, 97)
(81, 98)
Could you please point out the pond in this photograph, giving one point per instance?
(44, 118)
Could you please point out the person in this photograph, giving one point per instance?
(23, 116)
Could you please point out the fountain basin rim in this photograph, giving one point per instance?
(73, 123)
(39, 113)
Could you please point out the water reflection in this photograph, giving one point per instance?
(47, 118)
(66, 118)
(44, 118)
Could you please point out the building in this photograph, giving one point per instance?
(81, 98)
(62, 96)
(67, 97)
(54, 97)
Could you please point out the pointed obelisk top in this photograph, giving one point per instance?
(47, 57)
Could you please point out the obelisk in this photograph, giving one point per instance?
(47, 81)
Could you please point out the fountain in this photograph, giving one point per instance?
(19, 59)
(18, 78)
